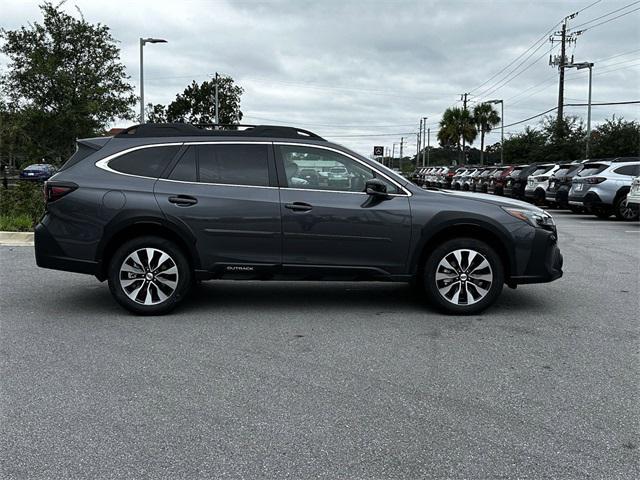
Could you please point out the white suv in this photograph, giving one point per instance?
(538, 182)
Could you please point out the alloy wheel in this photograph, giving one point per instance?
(627, 212)
(464, 277)
(148, 276)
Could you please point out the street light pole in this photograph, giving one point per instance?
(424, 128)
(581, 66)
(142, 43)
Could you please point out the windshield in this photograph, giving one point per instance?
(562, 171)
(541, 170)
(592, 169)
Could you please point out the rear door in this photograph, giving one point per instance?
(333, 222)
(225, 193)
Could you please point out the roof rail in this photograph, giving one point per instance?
(212, 129)
(625, 159)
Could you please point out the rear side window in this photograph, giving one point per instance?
(631, 170)
(234, 164)
(145, 162)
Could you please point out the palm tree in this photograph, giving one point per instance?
(485, 117)
(456, 124)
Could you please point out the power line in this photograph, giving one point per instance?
(606, 15)
(541, 39)
(611, 19)
(571, 105)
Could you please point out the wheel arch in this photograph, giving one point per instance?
(467, 229)
(127, 229)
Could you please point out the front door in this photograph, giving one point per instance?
(225, 193)
(329, 221)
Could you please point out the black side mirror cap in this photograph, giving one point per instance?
(377, 188)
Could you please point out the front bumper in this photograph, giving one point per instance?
(545, 262)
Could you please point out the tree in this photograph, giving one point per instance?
(525, 147)
(616, 138)
(64, 81)
(456, 124)
(197, 104)
(565, 139)
(485, 117)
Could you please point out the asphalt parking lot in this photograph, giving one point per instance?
(311, 380)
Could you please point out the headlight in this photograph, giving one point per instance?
(532, 217)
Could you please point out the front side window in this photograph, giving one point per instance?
(320, 169)
(145, 162)
(240, 164)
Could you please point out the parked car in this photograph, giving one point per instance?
(482, 183)
(602, 187)
(456, 181)
(158, 206)
(499, 179)
(38, 172)
(446, 177)
(557, 195)
(517, 181)
(475, 179)
(538, 182)
(633, 197)
(469, 178)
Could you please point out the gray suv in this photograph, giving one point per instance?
(602, 187)
(157, 207)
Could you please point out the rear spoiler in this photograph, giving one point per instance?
(85, 147)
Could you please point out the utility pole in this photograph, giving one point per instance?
(428, 147)
(401, 147)
(463, 97)
(561, 60)
(217, 102)
(419, 146)
(424, 128)
(393, 155)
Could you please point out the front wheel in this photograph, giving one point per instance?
(149, 275)
(463, 276)
(624, 211)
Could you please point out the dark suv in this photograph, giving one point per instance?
(157, 207)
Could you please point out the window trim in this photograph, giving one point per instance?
(279, 165)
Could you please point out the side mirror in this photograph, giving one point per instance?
(376, 187)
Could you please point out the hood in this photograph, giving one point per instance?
(492, 199)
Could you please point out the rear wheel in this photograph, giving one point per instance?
(149, 275)
(624, 211)
(575, 209)
(463, 276)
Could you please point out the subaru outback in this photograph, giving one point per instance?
(157, 207)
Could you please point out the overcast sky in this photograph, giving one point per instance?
(370, 67)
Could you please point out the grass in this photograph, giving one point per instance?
(16, 223)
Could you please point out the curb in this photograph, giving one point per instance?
(16, 239)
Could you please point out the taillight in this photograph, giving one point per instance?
(56, 190)
(594, 180)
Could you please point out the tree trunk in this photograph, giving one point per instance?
(481, 147)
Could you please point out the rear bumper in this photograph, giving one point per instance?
(545, 263)
(50, 255)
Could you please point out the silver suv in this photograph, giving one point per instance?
(602, 187)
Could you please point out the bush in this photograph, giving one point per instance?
(15, 223)
(20, 206)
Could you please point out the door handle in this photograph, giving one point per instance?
(183, 200)
(298, 206)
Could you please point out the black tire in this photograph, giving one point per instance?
(575, 209)
(433, 285)
(624, 211)
(162, 282)
(601, 212)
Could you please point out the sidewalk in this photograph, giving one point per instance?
(16, 239)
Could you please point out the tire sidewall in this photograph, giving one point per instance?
(184, 275)
(444, 249)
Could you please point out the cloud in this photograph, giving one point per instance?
(367, 67)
